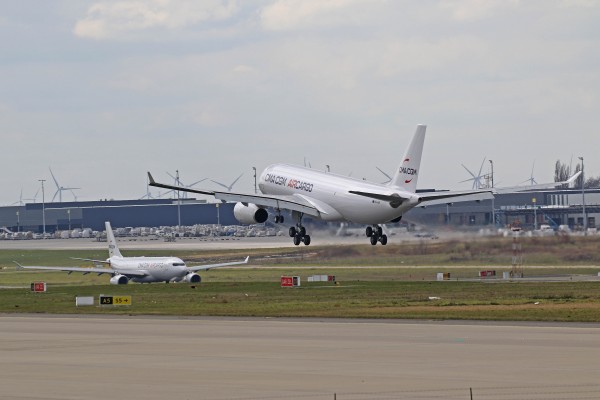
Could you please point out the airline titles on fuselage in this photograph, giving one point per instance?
(291, 183)
(153, 265)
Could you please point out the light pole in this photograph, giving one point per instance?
(493, 198)
(178, 203)
(43, 209)
(583, 197)
(254, 168)
(218, 219)
(534, 200)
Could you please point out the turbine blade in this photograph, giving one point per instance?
(55, 181)
(481, 168)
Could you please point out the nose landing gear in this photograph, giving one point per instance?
(375, 234)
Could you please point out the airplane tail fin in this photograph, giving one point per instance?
(408, 172)
(113, 249)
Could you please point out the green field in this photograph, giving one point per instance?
(392, 282)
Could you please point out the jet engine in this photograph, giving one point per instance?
(119, 280)
(250, 213)
(193, 278)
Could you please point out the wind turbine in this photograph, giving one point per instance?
(230, 186)
(34, 197)
(178, 182)
(389, 178)
(60, 189)
(20, 202)
(531, 179)
(475, 178)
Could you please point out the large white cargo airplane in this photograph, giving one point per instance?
(138, 269)
(332, 197)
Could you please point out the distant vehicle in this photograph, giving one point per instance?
(427, 235)
(138, 269)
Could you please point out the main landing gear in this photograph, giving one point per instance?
(298, 233)
(375, 234)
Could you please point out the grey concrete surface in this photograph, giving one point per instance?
(61, 357)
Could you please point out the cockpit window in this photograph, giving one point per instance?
(179, 264)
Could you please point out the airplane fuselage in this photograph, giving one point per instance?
(158, 269)
(330, 193)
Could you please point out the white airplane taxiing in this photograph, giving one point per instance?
(336, 198)
(138, 269)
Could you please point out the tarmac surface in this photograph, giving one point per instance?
(91, 357)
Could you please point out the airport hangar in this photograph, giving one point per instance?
(551, 207)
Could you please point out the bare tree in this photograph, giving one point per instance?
(562, 172)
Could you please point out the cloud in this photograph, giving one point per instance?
(469, 10)
(298, 14)
(122, 19)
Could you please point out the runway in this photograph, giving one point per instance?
(203, 243)
(61, 357)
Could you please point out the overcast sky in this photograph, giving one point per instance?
(103, 91)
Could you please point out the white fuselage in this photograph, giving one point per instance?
(158, 269)
(331, 193)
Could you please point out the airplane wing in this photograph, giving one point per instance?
(211, 266)
(433, 198)
(292, 203)
(425, 199)
(540, 186)
(84, 270)
(92, 260)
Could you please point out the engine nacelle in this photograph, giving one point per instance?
(193, 278)
(119, 280)
(250, 213)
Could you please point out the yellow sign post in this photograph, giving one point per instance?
(115, 300)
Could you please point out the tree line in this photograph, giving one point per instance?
(562, 172)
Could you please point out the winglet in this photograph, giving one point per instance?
(572, 179)
(246, 260)
(150, 178)
(19, 266)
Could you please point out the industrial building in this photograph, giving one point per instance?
(121, 213)
(529, 209)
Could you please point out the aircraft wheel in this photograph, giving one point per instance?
(277, 219)
(383, 239)
(369, 231)
(306, 240)
(373, 240)
(292, 231)
(302, 231)
(379, 231)
(297, 240)
(281, 219)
